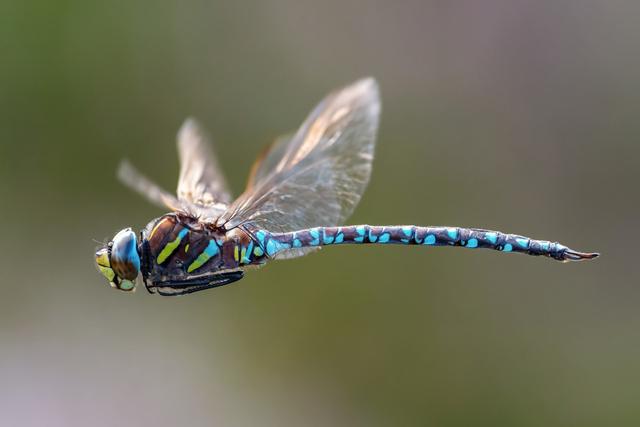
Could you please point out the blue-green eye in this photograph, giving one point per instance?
(124, 257)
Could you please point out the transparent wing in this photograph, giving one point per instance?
(201, 181)
(262, 167)
(267, 161)
(202, 189)
(135, 180)
(319, 176)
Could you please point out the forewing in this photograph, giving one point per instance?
(132, 178)
(267, 161)
(201, 181)
(319, 176)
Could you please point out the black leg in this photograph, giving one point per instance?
(189, 286)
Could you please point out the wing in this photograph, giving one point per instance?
(267, 161)
(133, 179)
(202, 189)
(201, 181)
(318, 177)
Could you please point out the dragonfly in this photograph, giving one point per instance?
(298, 195)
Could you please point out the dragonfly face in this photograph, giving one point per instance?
(119, 261)
(298, 195)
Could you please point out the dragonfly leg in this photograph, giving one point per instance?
(188, 286)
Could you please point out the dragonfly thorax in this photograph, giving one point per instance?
(178, 248)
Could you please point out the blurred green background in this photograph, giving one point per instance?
(520, 116)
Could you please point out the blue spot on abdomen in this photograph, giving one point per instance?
(491, 237)
(316, 236)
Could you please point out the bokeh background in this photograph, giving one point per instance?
(518, 115)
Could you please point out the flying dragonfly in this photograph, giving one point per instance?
(298, 194)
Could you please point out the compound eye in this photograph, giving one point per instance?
(124, 258)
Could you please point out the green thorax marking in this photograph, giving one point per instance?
(170, 247)
(211, 250)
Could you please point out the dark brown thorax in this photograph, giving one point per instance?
(178, 247)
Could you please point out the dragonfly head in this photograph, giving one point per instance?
(119, 261)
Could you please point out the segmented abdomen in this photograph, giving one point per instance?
(414, 235)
